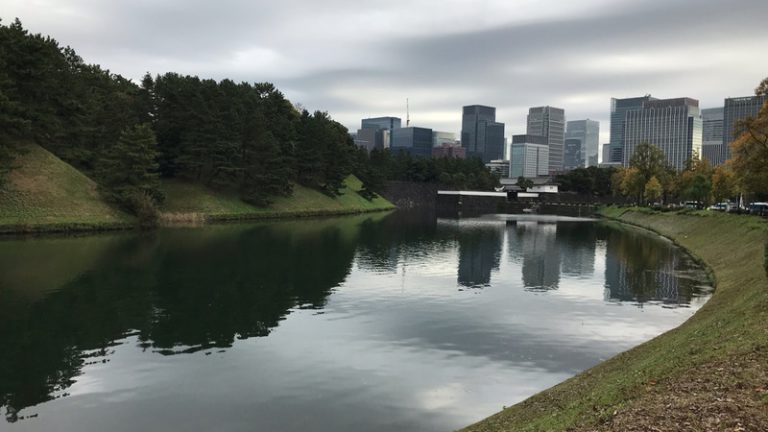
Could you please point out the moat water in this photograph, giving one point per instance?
(383, 322)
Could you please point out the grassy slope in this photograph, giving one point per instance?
(45, 193)
(194, 199)
(711, 373)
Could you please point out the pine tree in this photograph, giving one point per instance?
(264, 171)
(127, 171)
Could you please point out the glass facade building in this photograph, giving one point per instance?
(439, 138)
(588, 132)
(712, 135)
(573, 158)
(549, 122)
(481, 135)
(735, 110)
(673, 125)
(389, 123)
(376, 132)
(414, 140)
(619, 108)
(494, 141)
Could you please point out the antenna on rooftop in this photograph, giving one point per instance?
(407, 114)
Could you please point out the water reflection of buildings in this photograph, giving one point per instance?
(548, 250)
(479, 254)
(541, 256)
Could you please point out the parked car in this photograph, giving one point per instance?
(759, 208)
(723, 206)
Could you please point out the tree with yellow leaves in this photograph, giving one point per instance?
(749, 152)
(653, 190)
(723, 184)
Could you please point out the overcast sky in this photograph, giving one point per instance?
(359, 59)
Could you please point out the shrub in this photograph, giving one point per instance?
(143, 206)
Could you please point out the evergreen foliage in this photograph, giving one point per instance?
(451, 172)
(235, 136)
(589, 181)
(128, 170)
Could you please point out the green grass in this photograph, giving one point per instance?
(733, 324)
(46, 194)
(183, 200)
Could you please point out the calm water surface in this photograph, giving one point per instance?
(376, 323)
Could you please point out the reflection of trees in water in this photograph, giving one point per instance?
(177, 292)
(385, 244)
(184, 291)
(641, 268)
(576, 241)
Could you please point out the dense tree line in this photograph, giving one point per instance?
(50, 96)
(381, 165)
(237, 136)
(587, 181)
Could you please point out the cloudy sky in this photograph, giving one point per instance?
(359, 59)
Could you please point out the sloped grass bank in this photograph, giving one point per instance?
(194, 203)
(44, 193)
(711, 373)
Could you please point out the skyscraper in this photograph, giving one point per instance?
(529, 156)
(549, 122)
(712, 135)
(390, 123)
(572, 157)
(588, 133)
(619, 108)
(481, 135)
(376, 132)
(494, 141)
(673, 125)
(414, 140)
(737, 109)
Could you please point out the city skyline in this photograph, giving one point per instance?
(512, 56)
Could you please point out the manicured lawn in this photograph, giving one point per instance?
(44, 191)
(189, 198)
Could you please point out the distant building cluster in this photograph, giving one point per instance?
(553, 145)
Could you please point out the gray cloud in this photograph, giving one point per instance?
(356, 60)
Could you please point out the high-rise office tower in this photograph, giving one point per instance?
(494, 141)
(606, 153)
(572, 156)
(712, 135)
(673, 125)
(529, 156)
(549, 122)
(414, 140)
(588, 133)
(619, 108)
(390, 123)
(376, 132)
(481, 135)
(737, 109)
